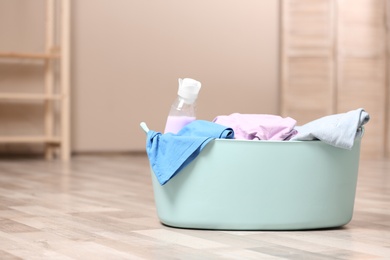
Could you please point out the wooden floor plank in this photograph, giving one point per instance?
(102, 207)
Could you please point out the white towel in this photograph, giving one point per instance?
(339, 130)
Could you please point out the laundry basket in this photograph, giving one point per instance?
(262, 185)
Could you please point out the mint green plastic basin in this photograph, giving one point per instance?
(262, 185)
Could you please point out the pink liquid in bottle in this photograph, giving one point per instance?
(176, 123)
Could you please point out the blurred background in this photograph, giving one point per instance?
(299, 58)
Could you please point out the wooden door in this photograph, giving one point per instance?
(334, 60)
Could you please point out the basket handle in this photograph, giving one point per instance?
(144, 127)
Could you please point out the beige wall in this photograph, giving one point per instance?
(127, 56)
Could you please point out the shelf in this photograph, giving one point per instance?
(27, 55)
(29, 139)
(55, 94)
(23, 96)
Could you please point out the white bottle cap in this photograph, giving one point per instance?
(189, 89)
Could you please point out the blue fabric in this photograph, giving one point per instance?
(339, 130)
(169, 153)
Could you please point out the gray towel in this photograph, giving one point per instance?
(339, 130)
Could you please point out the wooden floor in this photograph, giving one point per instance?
(101, 207)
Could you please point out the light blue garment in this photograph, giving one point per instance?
(339, 130)
(169, 153)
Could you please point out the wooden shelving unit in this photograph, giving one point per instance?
(27, 96)
(57, 21)
(30, 139)
(26, 55)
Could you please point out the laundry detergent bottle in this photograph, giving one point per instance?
(183, 108)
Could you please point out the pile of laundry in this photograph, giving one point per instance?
(169, 153)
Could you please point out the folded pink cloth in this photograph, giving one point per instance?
(258, 126)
